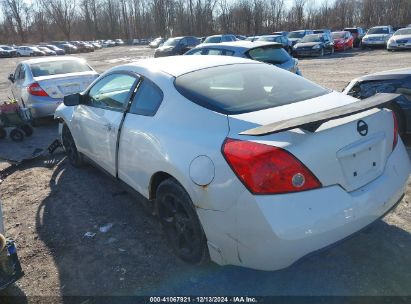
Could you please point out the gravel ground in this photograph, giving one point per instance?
(49, 206)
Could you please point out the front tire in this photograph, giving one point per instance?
(75, 157)
(180, 222)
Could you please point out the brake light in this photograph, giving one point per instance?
(36, 90)
(395, 141)
(265, 169)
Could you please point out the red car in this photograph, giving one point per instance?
(343, 40)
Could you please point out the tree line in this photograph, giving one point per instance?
(26, 21)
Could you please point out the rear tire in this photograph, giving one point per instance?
(75, 157)
(180, 223)
(17, 135)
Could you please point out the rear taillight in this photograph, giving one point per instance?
(395, 140)
(265, 169)
(36, 90)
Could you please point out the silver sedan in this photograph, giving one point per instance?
(267, 52)
(41, 84)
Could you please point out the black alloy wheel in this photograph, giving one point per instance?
(180, 222)
(69, 145)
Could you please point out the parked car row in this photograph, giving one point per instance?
(56, 48)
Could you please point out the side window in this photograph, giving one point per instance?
(17, 72)
(193, 41)
(183, 42)
(214, 52)
(147, 99)
(22, 73)
(228, 53)
(197, 52)
(111, 91)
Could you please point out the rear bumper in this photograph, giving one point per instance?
(10, 268)
(42, 106)
(275, 231)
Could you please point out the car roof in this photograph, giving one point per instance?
(179, 65)
(39, 60)
(381, 26)
(390, 73)
(272, 35)
(242, 45)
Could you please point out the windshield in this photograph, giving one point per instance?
(213, 39)
(172, 42)
(270, 38)
(58, 67)
(378, 30)
(296, 35)
(351, 30)
(242, 88)
(6, 47)
(269, 54)
(312, 38)
(404, 31)
(338, 35)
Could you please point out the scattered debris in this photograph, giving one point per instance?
(111, 240)
(90, 234)
(106, 228)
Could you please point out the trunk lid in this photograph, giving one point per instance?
(337, 153)
(58, 86)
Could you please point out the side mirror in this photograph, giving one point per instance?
(11, 77)
(72, 100)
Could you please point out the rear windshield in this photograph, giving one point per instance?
(378, 30)
(313, 38)
(352, 31)
(404, 31)
(269, 54)
(270, 38)
(337, 35)
(172, 42)
(213, 39)
(58, 67)
(241, 88)
(296, 35)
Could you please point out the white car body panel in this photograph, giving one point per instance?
(96, 132)
(265, 232)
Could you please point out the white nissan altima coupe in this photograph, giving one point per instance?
(243, 162)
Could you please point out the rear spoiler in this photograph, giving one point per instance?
(312, 122)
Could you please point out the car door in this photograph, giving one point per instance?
(138, 148)
(97, 119)
(18, 83)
